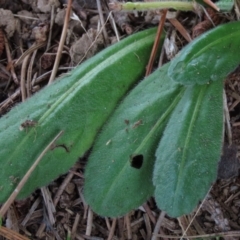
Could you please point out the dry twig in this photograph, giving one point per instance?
(61, 43)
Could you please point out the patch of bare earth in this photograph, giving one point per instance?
(30, 39)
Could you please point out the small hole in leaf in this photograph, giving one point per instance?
(137, 161)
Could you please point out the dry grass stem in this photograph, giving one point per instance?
(51, 27)
(34, 47)
(104, 31)
(128, 225)
(158, 225)
(205, 236)
(10, 234)
(114, 26)
(23, 77)
(149, 213)
(75, 226)
(61, 43)
(31, 211)
(89, 222)
(29, 74)
(156, 42)
(51, 210)
(181, 29)
(5, 104)
(62, 187)
(10, 61)
(227, 119)
(148, 226)
(112, 229)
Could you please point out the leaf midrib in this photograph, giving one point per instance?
(147, 138)
(75, 87)
(186, 145)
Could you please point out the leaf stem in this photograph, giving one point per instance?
(145, 6)
(156, 42)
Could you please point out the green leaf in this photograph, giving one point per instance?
(225, 5)
(118, 176)
(189, 150)
(210, 57)
(77, 104)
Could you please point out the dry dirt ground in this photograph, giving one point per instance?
(30, 32)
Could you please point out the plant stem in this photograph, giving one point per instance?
(145, 6)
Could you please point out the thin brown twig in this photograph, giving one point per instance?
(10, 234)
(194, 216)
(112, 230)
(156, 42)
(158, 225)
(58, 194)
(114, 26)
(56, 199)
(49, 204)
(107, 223)
(184, 223)
(20, 185)
(51, 27)
(10, 62)
(227, 119)
(148, 226)
(29, 51)
(149, 213)
(198, 227)
(40, 230)
(10, 100)
(89, 222)
(211, 4)
(75, 226)
(29, 74)
(61, 43)
(120, 227)
(23, 77)
(31, 211)
(128, 224)
(100, 12)
(212, 235)
(180, 29)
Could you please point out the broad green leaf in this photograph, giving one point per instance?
(118, 176)
(225, 5)
(189, 150)
(210, 57)
(78, 104)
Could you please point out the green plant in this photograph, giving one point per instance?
(183, 5)
(184, 123)
(163, 139)
(77, 104)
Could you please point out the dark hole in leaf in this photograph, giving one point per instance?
(136, 161)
